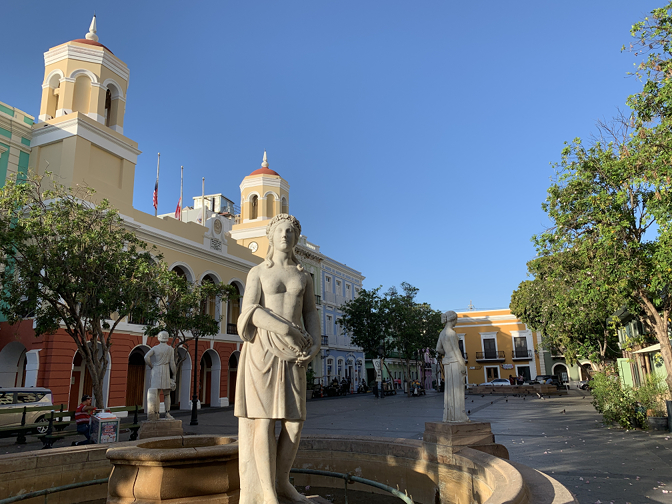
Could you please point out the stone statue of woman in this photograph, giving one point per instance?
(161, 360)
(454, 369)
(271, 382)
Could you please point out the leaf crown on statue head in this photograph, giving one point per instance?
(283, 217)
(449, 316)
(269, 233)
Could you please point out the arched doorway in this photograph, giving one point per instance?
(209, 383)
(560, 370)
(136, 377)
(13, 365)
(233, 373)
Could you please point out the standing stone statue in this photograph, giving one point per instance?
(161, 360)
(454, 369)
(271, 382)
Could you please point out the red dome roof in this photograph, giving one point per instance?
(91, 42)
(264, 171)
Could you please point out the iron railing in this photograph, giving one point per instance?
(521, 354)
(348, 478)
(491, 355)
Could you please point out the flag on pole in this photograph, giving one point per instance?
(156, 195)
(178, 210)
(156, 185)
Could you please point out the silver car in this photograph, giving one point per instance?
(17, 398)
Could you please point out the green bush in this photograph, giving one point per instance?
(652, 395)
(615, 401)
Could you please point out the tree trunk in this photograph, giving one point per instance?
(659, 326)
(408, 377)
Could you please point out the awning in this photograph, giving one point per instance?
(652, 348)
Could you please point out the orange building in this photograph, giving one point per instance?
(496, 344)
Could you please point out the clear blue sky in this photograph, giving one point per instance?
(417, 137)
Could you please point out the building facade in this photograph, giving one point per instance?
(16, 133)
(340, 358)
(496, 344)
(80, 138)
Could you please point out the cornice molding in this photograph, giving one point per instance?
(263, 180)
(187, 247)
(90, 55)
(95, 134)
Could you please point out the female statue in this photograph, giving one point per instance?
(271, 382)
(454, 369)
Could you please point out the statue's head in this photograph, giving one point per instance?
(163, 337)
(449, 316)
(272, 227)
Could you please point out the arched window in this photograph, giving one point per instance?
(254, 207)
(270, 206)
(82, 94)
(108, 106)
(285, 206)
(233, 312)
(53, 95)
(210, 305)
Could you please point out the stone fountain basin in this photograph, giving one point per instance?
(175, 470)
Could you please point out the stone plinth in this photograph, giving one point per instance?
(160, 428)
(443, 439)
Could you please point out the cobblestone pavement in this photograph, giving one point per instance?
(562, 436)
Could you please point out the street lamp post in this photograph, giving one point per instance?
(194, 397)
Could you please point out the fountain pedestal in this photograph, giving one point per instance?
(160, 428)
(442, 440)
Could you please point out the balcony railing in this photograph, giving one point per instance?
(521, 354)
(491, 355)
(231, 329)
(318, 300)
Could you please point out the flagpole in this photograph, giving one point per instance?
(158, 162)
(203, 201)
(181, 185)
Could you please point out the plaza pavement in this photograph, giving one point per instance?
(598, 463)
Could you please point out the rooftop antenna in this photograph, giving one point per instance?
(471, 307)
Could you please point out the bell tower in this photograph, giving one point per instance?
(263, 195)
(79, 135)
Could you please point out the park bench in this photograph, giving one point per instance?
(53, 428)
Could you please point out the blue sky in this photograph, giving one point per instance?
(416, 137)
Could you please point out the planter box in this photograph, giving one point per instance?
(657, 423)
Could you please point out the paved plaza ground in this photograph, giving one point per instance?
(597, 463)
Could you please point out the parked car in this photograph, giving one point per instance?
(17, 398)
(584, 384)
(497, 382)
(544, 379)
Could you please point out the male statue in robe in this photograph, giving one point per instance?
(271, 382)
(161, 361)
(454, 368)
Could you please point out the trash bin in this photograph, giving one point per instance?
(104, 428)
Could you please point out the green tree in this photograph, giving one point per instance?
(571, 308)
(395, 322)
(611, 199)
(367, 320)
(414, 326)
(181, 309)
(69, 263)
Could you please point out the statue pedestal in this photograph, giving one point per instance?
(443, 439)
(160, 428)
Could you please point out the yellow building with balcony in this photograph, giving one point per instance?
(496, 344)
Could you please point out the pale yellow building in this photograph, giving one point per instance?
(496, 344)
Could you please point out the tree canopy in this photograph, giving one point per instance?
(610, 202)
(68, 262)
(393, 322)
